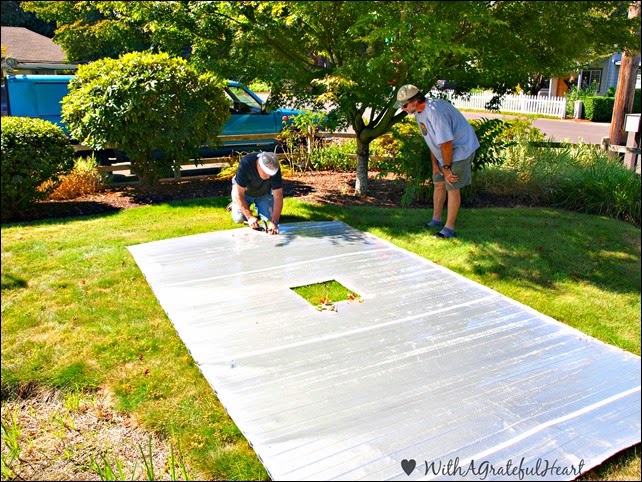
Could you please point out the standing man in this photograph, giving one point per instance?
(452, 143)
(258, 181)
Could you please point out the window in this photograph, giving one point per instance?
(589, 77)
(241, 102)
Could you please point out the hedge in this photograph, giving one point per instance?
(33, 151)
(599, 109)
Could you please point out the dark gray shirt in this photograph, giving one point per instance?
(247, 176)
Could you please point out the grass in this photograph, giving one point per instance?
(324, 295)
(79, 316)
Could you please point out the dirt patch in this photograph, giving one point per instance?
(77, 437)
(328, 187)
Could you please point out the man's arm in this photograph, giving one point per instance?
(273, 227)
(238, 193)
(447, 156)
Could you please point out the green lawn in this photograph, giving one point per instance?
(78, 315)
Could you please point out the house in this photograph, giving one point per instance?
(603, 72)
(27, 52)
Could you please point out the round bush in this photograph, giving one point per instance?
(33, 151)
(155, 108)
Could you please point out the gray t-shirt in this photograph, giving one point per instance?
(441, 122)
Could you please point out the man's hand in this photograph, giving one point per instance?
(450, 177)
(436, 168)
(253, 222)
(273, 228)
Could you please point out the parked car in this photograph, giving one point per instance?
(40, 96)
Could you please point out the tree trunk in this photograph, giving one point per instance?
(625, 92)
(363, 153)
(140, 168)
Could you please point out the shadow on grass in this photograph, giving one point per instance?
(11, 282)
(60, 211)
(535, 247)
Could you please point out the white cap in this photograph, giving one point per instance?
(269, 163)
(406, 92)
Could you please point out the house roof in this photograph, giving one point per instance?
(26, 46)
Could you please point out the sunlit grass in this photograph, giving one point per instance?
(77, 313)
(324, 295)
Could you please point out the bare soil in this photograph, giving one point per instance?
(327, 187)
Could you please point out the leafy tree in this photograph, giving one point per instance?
(353, 56)
(369, 49)
(93, 30)
(155, 108)
(14, 16)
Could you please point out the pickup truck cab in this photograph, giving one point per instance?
(40, 96)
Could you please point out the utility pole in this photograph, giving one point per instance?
(625, 92)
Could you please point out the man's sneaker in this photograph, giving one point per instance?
(435, 224)
(445, 233)
(229, 208)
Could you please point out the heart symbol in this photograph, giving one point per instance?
(408, 465)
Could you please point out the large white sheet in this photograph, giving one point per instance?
(432, 376)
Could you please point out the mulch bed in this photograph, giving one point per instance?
(327, 187)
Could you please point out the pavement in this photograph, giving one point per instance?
(559, 130)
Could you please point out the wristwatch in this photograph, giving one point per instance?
(446, 166)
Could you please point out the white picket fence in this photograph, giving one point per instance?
(527, 104)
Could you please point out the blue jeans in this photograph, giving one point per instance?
(264, 205)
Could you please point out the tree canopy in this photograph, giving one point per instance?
(14, 16)
(355, 55)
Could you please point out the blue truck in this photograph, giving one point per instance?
(40, 96)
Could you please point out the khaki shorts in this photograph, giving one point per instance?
(462, 169)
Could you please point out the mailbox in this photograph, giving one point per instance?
(632, 122)
(632, 126)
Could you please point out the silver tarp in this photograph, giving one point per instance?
(430, 376)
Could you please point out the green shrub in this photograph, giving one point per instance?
(156, 109)
(409, 158)
(299, 138)
(259, 86)
(335, 156)
(604, 188)
(581, 178)
(599, 109)
(574, 94)
(521, 130)
(494, 136)
(636, 100)
(34, 151)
